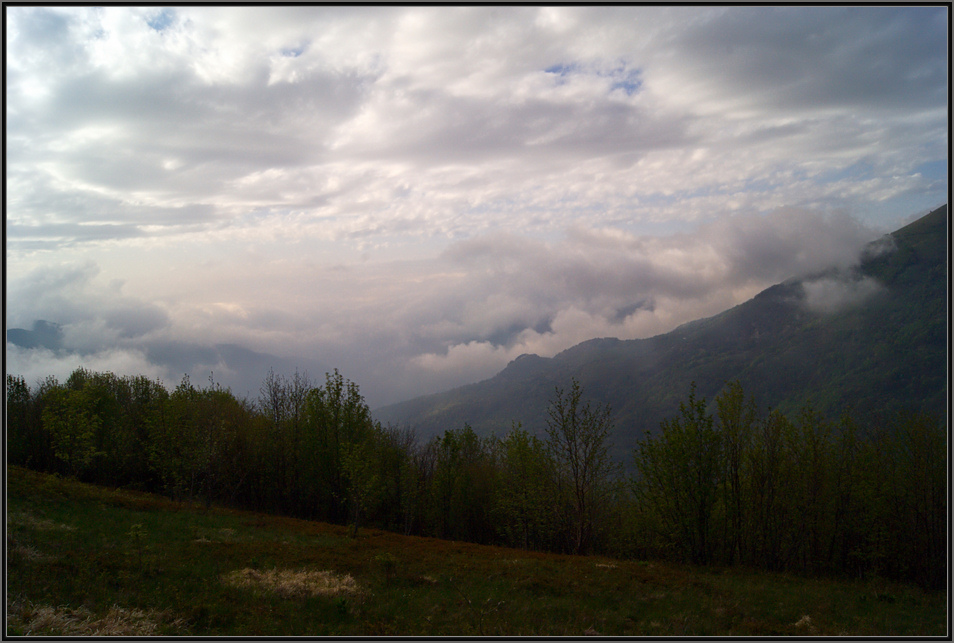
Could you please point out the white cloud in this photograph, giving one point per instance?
(417, 193)
(36, 364)
(831, 294)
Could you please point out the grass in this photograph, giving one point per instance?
(89, 561)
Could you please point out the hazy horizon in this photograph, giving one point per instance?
(418, 195)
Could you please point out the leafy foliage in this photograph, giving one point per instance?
(679, 472)
(730, 487)
(811, 495)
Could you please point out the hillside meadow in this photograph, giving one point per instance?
(87, 560)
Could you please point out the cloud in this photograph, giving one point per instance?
(403, 327)
(98, 314)
(780, 50)
(381, 115)
(418, 194)
(36, 364)
(525, 297)
(833, 294)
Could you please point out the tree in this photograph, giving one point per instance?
(812, 490)
(770, 465)
(905, 492)
(70, 418)
(176, 441)
(282, 401)
(460, 487)
(737, 419)
(25, 443)
(336, 417)
(923, 442)
(360, 463)
(679, 474)
(401, 488)
(523, 494)
(576, 440)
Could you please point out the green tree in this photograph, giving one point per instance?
(176, 442)
(812, 490)
(523, 498)
(26, 445)
(770, 465)
(336, 418)
(400, 496)
(359, 462)
(737, 418)
(679, 475)
(905, 496)
(460, 487)
(924, 445)
(71, 419)
(283, 402)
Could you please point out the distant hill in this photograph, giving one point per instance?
(44, 335)
(872, 339)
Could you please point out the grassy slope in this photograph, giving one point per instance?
(75, 566)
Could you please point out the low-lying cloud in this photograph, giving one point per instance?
(404, 328)
(580, 284)
(840, 292)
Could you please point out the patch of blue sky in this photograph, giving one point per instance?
(162, 20)
(629, 80)
(563, 69)
(933, 170)
(293, 52)
(659, 198)
(759, 185)
(861, 170)
(627, 86)
(892, 213)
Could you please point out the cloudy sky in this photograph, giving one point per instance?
(417, 196)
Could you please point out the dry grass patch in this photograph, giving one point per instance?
(26, 552)
(805, 624)
(293, 583)
(44, 620)
(24, 519)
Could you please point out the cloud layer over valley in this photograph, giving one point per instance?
(416, 196)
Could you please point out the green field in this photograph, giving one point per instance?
(85, 560)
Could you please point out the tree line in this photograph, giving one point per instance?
(725, 485)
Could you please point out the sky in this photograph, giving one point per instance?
(418, 195)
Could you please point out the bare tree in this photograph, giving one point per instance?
(576, 439)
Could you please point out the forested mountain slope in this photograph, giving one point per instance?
(871, 339)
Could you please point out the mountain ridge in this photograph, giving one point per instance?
(791, 344)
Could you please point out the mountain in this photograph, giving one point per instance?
(44, 335)
(871, 339)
